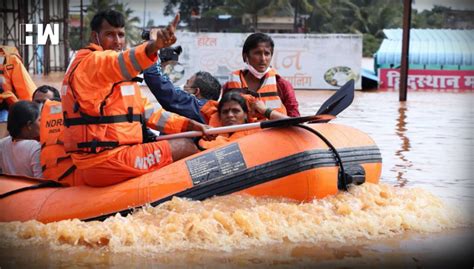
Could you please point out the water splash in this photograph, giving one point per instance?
(236, 222)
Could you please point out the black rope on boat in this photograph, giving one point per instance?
(342, 181)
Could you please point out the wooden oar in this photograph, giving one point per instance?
(328, 111)
(250, 126)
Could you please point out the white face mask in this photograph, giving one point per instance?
(256, 73)
(97, 37)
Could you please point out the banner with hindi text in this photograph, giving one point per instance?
(308, 61)
(422, 79)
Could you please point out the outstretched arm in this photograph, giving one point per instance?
(161, 38)
(172, 99)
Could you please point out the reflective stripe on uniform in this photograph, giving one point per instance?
(148, 112)
(150, 108)
(235, 77)
(160, 125)
(133, 59)
(123, 67)
(273, 104)
(271, 80)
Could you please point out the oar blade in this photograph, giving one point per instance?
(339, 100)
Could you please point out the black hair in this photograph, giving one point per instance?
(253, 40)
(45, 89)
(114, 18)
(20, 114)
(208, 85)
(233, 96)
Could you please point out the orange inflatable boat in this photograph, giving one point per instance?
(302, 162)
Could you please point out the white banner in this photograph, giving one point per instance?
(308, 61)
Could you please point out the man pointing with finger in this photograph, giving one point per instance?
(105, 112)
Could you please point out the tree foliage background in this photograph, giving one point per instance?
(366, 17)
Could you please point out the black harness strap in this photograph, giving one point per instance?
(86, 119)
(59, 142)
(60, 159)
(67, 173)
(94, 144)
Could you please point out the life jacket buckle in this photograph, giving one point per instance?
(130, 114)
(94, 143)
(66, 120)
(76, 107)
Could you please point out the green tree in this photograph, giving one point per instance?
(367, 17)
(430, 18)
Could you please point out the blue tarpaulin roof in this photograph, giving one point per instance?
(428, 47)
(366, 73)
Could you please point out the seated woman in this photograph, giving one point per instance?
(20, 152)
(260, 80)
(233, 109)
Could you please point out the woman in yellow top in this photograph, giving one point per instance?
(233, 109)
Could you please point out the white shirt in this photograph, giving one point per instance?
(20, 157)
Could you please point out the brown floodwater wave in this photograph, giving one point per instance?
(241, 230)
(419, 216)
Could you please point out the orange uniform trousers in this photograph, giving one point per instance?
(112, 167)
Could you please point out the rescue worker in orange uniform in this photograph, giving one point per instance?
(260, 80)
(104, 111)
(56, 163)
(15, 83)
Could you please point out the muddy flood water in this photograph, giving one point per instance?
(419, 216)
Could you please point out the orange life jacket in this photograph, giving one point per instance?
(224, 138)
(213, 119)
(56, 163)
(208, 110)
(268, 91)
(103, 105)
(15, 81)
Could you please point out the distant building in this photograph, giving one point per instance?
(439, 59)
(274, 24)
(429, 49)
(283, 21)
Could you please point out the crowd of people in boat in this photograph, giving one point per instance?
(97, 130)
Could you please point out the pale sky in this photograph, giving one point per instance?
(421, 5)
